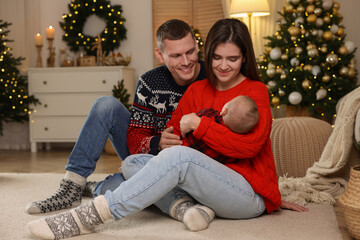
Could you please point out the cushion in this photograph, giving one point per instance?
(357, 130)
(297, 142)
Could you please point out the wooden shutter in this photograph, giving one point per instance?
(200, 14)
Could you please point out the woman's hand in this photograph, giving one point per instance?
(292, 206)
(188, 123)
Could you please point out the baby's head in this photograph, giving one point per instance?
(240, 114)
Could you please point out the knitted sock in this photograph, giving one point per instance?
(89, 189)
(198, 217)
(75, 222)
(195, 217)
(67, 196)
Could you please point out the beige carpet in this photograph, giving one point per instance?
(18, 189)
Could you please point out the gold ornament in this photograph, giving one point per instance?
(300, 9)
(279, 37)
(303, 31)
(261, 58)
(344, 71)
(318, 11)
(332, 58)
(352, 73)
(310, 46)
(326, 19)
(293, 38)
(278, 70)
(283, 76)
(275, 101)
(306, 84)
(268, 49)
(310, 8)
(307, 67)
(294, 31)
(343, 50)
(328, 35)
(270, 73)
(341, 17)
(284, 57)
(289, 8)
(335, 11)
(311, 18)
(310, 1)
(336, 5)
(340, 32)
(281, 92)
(326, 78)
(323, 48)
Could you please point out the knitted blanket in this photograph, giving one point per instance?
(319, 185)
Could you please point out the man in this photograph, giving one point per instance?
(157, 95)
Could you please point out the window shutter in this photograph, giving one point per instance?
(201, 14)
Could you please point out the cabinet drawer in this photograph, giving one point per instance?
(61, 104)
(56, 128)
(60, 82)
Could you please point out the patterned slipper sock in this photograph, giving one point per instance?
(67, 196)
(198, 217)
(89, 189)
(78, 221)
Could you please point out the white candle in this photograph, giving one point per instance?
(38, 39)
(50, 32)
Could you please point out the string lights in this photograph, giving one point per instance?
(73, 24)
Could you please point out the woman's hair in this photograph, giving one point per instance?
(173, 29)
(231, 30)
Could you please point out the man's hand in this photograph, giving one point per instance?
(188, 123)
(168, 139)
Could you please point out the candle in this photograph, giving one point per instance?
(50, 32)
(38, 39)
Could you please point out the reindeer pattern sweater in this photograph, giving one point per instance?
(157, 96)
(252, 152)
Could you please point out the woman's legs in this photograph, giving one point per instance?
(209, 182)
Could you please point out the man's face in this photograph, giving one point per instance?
(181, 58)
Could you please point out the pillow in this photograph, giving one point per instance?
(298, 142)
(357, 130)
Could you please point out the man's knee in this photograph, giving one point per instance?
(133, 163)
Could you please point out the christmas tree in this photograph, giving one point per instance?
(14, 99)
(120, 92)
(308, 63)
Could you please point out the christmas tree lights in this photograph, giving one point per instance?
(307, 62)
(14, 98)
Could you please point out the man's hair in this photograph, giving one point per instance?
(242, 114)
(173, 29)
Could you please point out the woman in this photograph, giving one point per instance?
(243, 188)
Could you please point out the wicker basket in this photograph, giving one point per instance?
(350, 203)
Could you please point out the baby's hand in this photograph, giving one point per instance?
(188, 123)
(224, 110)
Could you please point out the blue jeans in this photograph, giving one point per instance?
(108, 118)
(206, 180)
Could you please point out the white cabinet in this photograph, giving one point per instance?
(66, 95)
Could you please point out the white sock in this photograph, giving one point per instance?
(75, 222)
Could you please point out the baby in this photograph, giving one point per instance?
(240, 115)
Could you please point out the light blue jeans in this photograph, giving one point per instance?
(158, 179)
(108, 118)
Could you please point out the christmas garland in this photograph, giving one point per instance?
(74, 22)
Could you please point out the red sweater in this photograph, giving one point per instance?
(252, 151)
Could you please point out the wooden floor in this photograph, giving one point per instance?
(53, 160)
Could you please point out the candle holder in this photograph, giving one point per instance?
(39, 59)
(51, 58)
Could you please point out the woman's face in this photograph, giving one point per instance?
(226, 64)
